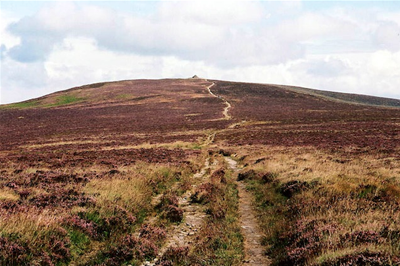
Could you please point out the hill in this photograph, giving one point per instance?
(199, 172)
(348, 97)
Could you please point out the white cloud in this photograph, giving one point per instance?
(7, 39)
(213, 13)
(68, 44)
(364, 73)
(192, 31)
(21, 81)
(310, 26)
(393, 16)
(325, 67)
(387, 36)
(74, 61)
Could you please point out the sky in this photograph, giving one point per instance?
(344, 46)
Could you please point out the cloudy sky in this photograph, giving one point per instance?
(329, 45)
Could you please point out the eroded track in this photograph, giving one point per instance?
(182, 234)
(254, 251)
(225, 112)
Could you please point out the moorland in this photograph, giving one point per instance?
(199, 172)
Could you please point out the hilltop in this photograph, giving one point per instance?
(199, 172)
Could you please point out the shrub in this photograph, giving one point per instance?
(217, 209)
(251, 174)
(304, 240)
(129, 247)
(153, 233)
(204, 193)
(167, 200)
(173, 213)
(360, 237)
(88, 227)
(61, 198)
(174, 256)
(292, 187)
(268, 177)
(363, 258)
(12, 253)
(218, 176)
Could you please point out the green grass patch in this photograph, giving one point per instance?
(21, 105)
(196, 146)
(65, 100)
(79, 241)
(68, 99)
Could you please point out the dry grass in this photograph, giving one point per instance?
(323, 208)
(127, 192)
(148, 145)
(62, 143)
(31, 225)
(78, 192)
(51, 210)
(8, 195)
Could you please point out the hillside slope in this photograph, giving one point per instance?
(164, 106)
(113, 111)
(199, 172)
(277, 116)
(348, 97)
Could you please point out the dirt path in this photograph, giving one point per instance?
(225, 112)
(254, 251)
(210, 139)
(182, 234)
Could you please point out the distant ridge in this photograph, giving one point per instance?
(98, 92)
(346, 97)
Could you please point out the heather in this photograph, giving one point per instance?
(198, 172)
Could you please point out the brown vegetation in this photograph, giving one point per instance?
(96, 175)
(326, 209)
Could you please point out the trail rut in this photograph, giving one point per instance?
(254, 251)
(182, 234)
(225, 112)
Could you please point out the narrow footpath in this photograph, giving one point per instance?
(254, 251)
(225, 112)
(183, 234)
